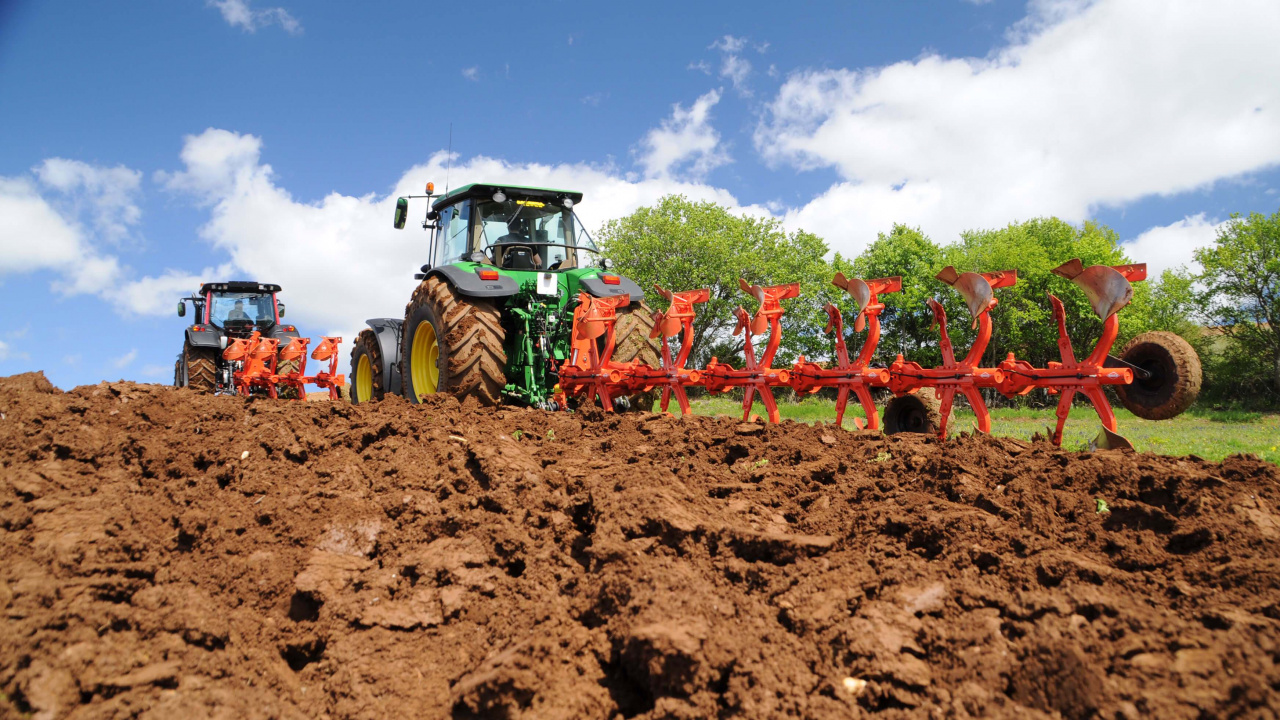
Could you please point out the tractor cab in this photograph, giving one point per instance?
(239, 308)
(509, 227)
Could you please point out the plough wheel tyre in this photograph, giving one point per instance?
(202, 369)
(469, 340)
(365, 381)
(916, 413)
(631, 342)
(286, 392)
(1175, 376)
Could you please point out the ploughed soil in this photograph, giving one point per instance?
(170, 555)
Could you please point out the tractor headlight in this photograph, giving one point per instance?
(499, 197)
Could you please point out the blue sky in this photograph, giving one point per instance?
(149, 145)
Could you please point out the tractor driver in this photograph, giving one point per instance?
(237, 313)
(525, 255)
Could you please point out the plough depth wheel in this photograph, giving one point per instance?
(920, 412)
(1175, 375)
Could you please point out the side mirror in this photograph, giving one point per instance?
(280, 309)
(182, 309)
(402, 212)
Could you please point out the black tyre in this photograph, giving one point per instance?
(916, 413)
(365, 381)
(177, 372)
(202, 368)
(286, 392)
(631, 342)
(452, 344)
(1175, 376)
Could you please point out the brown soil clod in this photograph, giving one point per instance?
(448, 560)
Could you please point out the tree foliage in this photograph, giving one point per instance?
(683, 245)
(1241, 282)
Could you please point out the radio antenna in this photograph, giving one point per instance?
(449, 167)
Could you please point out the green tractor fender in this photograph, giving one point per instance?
(595, 285)
(468, 282)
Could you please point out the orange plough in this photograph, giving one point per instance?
(255, 360)
(591, 370)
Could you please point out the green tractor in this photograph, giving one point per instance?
(492, 316)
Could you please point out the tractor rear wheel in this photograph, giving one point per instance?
(919, 412)
(452, 343)
(1175, 377)
(631, 342)
(366, 369)
(202, 368)
(177, 372)
(286, 392)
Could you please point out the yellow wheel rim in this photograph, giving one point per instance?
(364, 380)
(424, 360)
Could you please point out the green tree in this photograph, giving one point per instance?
(684, 245)
(1241, 281)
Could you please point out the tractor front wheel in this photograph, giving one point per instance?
(919, 412)
(1174, 381)
(202, 368)
(366, 369)
(452, 343)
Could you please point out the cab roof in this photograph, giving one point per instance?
(486, 190)
(239, 286)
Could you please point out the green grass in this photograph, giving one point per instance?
(1212, 435)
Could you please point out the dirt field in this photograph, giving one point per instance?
(168, 555)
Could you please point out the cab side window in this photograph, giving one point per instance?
(453, 232)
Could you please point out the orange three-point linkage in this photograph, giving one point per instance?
(756, 375)
(964, 376)
(329, 379)
(808, 377)
(257, 356)
(673, 377)
(591, 369)
(1108, 290)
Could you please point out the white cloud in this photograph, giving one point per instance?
(4, 350)
(1089, 105)
(338, 260)
(1171, 246)
(733, 66)
(107, 193)
(472, 73)
(125, 360)
(158, 295)
(157, 371)
(238, 13)
(701, 66)
(35, 236)
(684, 142)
